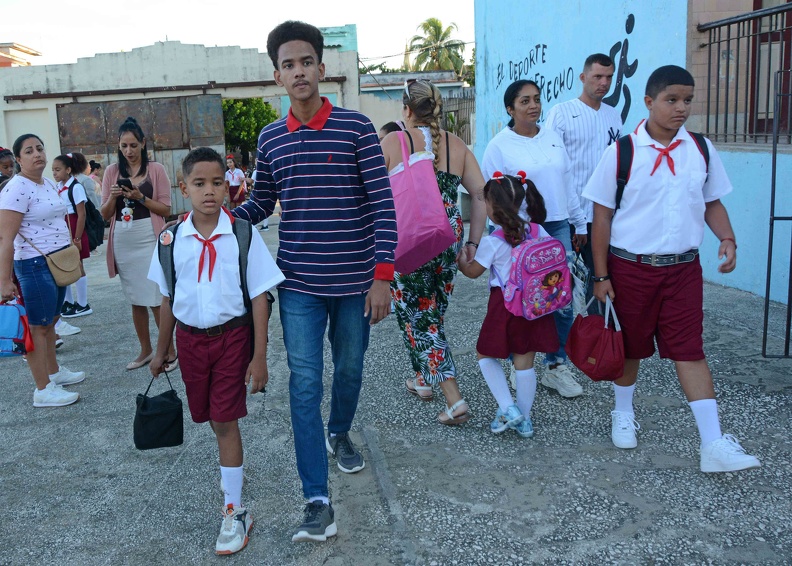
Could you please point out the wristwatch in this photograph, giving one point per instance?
(142, 200)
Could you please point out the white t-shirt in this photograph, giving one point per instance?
(586, 133)
(235, 178)
(545, 162)
(661, 213)
(211, 303)
(78, 194)
(494, 254)
(44, 216)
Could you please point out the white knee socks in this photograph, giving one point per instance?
(82, 290)
(496, 380)
(232, 485)
(705, 412)
(526, 389)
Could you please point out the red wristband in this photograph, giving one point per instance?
(731, 240)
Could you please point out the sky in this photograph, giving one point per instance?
(105, 27)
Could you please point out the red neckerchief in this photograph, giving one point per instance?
(665, 152)
(208, 246)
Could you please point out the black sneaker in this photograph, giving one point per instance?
(78, 310)
(318, 523)
(66, 308)
(348, 458)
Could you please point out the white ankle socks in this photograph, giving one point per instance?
(526, 389)
(232, 485)
(496, 381)
(623, 397)
(705, 412)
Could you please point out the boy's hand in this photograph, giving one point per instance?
(728, 249)
(157, 364)
(604, 289)
(579, 240)
(378, 301)
(257, 374)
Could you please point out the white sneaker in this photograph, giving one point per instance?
(67, 377)
(233, 530)
(53, 395)
(623, 428)
(562, 380)
(726, 455)
(58, 342)
(65, 329)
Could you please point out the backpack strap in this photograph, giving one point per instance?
(243, 230)
(409, 137)
(624, 159)
(701, 142)
(165, 255)
(70, 194)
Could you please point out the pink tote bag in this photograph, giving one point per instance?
(424, 230)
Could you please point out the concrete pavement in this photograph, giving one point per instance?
(76, 491)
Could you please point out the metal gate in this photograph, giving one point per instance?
(778, 317)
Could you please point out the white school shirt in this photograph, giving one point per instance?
(44, 216)
(78, 194)
(586, 133)
(235, 178)
(545, 162)
(494, 254)
(662, 213)
(211, 303)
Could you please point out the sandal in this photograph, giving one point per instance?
(449, 412)
(423, 392)
(171, 365)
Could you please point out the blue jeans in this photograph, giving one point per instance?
(42, 297)
(304, 318)
(559, 229)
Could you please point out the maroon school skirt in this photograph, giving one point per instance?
(85, 252)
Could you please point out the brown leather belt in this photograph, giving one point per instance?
(656, 260)
(244, 320)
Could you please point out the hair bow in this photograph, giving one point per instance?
(69, 155)
(521, 177)
(497, 176)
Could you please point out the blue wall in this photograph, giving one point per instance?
(749, 209)
(549, 41)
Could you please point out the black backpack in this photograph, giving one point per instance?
(94, 223)
(624, 159)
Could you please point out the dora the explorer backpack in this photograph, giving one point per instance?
(624, 159)
(539, 281)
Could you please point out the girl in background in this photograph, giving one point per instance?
(236, 182)
(64, 171)
(504, 334)
(6, 164)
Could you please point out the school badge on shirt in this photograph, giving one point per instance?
(166, 238)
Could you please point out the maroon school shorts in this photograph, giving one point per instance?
(213, 370)
(503, 333)
(659, 303)
(85, 252)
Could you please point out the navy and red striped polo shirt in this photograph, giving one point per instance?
(338, 225)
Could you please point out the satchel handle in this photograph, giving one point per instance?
(152, 381)
(608, 310)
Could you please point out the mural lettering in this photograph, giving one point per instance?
(551, 86)
(624, 70)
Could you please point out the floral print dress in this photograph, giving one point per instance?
(421, 298)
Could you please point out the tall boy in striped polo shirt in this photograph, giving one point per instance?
(337, 241)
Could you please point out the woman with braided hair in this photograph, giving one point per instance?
(421, 297)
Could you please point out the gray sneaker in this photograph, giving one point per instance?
(348, 458)
(318, 523)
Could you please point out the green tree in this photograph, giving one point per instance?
(469, 71)
(244, 118)
(436, 50)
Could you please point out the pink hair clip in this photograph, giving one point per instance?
(69, 155)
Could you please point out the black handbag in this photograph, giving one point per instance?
(159, 420)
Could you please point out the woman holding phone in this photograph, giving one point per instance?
(136, 198)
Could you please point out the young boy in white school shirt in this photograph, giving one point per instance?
(213, 327)
(646, 259)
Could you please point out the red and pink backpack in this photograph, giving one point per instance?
(539, 281)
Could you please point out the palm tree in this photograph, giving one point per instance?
(436, 50)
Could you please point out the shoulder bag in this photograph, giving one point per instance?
(594, 347)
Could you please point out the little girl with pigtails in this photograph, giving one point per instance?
(504, 334)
